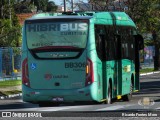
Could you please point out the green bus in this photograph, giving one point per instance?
(80, 57)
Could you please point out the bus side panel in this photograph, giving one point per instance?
(24, 56)
(96, 88)
(99, 79)
(126, 75)
(114, 78)
(110, 77)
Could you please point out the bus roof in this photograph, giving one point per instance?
(56, 16)
(121, 18)
(61, 17)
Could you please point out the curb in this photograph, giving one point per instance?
(10, 96)
(150, 73)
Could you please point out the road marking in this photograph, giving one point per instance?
(143, 74)
(149, 73)
(157, 72)
(44, 108)
(157, 108)
(60, 108)
(113, 107)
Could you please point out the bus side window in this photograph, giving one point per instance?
(131, 44)
(125, 42)
(110, 46)
(100, 40)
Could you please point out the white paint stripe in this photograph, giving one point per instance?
(111, 108)
(143, 74)
(157, 108)
(114, 107)
(44, 108)
(156, 72)
(150, 73)
(60, 108)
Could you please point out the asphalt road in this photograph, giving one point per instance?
(150, 90)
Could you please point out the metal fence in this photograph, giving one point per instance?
(10, 62)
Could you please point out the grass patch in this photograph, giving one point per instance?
(12, 92)
(10, 83)
(146, 70)
(5, 93)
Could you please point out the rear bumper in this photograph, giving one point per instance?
(71, 95)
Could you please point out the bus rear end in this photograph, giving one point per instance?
(55, 66)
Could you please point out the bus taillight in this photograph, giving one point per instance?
(25, 78)
(89, 72)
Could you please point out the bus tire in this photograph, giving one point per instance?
(128, 97)
(109, 95)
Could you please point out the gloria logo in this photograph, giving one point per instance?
(48, 76)
(146, 102)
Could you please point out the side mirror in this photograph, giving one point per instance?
(140, 41)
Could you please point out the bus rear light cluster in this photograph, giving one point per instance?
(89, 72)
(25, 78)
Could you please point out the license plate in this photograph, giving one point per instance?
(58, 99)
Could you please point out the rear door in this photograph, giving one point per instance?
(57, 55)
(126, 59)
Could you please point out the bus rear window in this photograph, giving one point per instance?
(57, 34)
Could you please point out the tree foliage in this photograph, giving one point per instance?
(145, 13)
(9, 25)
(27, 6)
(10, 30)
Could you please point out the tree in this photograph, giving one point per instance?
(9, 26)
(23, 7)
(154, 28)
(51, 7)
(28, 6)
(44, 5)
(41, 4)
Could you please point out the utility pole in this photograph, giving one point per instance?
(64, 5)
(10, 13)
(72, 2)
(156, 57)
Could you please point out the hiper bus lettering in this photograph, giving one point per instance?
(57, 27)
